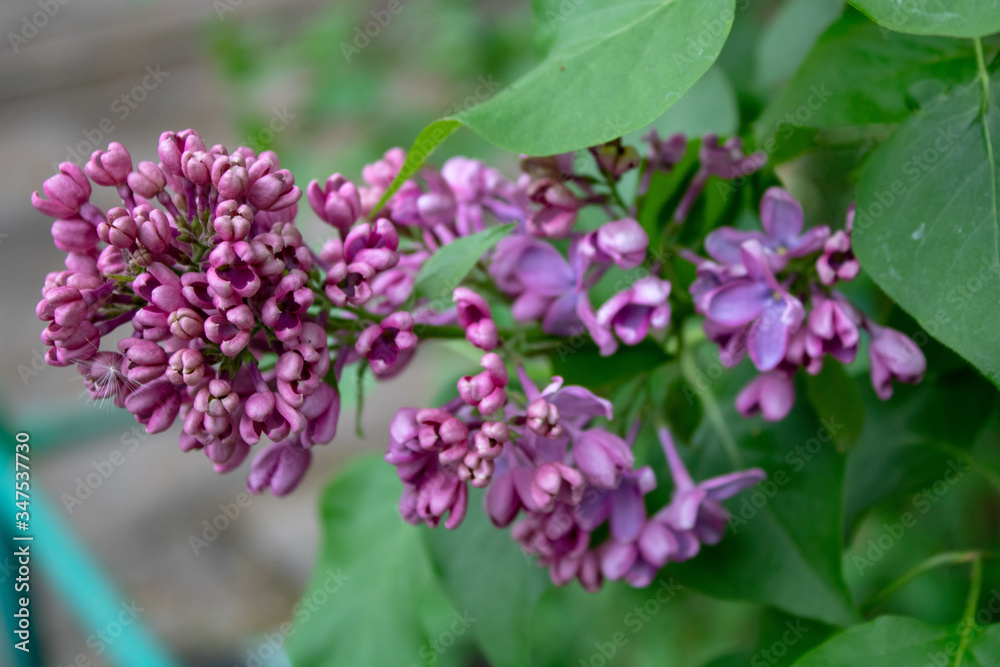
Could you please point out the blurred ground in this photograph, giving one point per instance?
(62, 82)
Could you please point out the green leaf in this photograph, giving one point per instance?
(782, 546)
(927, 227)
(909, 441)
(429, 138)
(490, 580)
(834, 392)
(613, 67)
(789, 37)
(955, 18)
(585, 366)
(446, 268)
(708, 107)
(856, 77)
(898, 641)
(373, 580)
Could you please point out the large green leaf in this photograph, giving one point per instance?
(373, 599)
(897, 641)
(956, 18)
(834, 392)
(783, 545)
(446, 268)
(486, 576)
(709, 106)
(911, 440)
(856, 77)
(790, 35)
(927, 227)
(613, 67)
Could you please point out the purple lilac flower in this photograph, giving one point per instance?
(389, 344)
(838, 261)
(475, 317)
(782, 239)
(725, 161)
(218, 278)
(894, 356)
(758, 300)
(628, 315)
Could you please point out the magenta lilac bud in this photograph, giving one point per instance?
(894, 356)
(554, 481)
(543, 419)
(486, 390)
(279, 467)
(770, 394)
(232, 220)
(490, 439)
(284, 311)
(147, 180)
(374, 245)
(67, 191)
(186, 324)
(231, 329)
(119, 230)
(155, 405)
(155, 228)
(267, 413)
(389, 344)
(111, 167)
(629, 314)
(186, 367)
(623, 242)
(74, 235)
(337, 204)
(475, 317)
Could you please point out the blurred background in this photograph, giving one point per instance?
(301, 77)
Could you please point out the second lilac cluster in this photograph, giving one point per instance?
(769, 295)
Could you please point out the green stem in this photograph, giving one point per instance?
(948, 558)
(969, 617)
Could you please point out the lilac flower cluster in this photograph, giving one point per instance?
(769, 295)
(242, 332)
(546, 458)
(542, 453)
(204, 261)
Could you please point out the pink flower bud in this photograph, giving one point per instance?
(120, 230)
(147, 180)
(111, 167)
